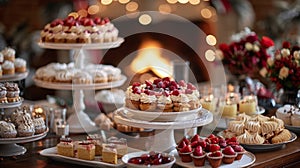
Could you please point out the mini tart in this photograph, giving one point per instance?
(214, 161)
(228, 159)
(199, 160)
(186, 157)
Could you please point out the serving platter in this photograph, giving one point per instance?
(12, 104)
(266, 147)
(69, 46)
(295, 129)
(97, 162)
(161, 116)
(247, 160)
(72, 86)
(14, 77)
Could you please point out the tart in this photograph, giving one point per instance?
(198, 156)
(229, 155)
(215, 158)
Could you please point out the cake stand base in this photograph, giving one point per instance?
(164, 141)
(11, 150)
(80, 123)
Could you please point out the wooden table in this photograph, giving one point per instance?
(286, 157)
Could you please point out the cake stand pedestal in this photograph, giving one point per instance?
(164, 140)
(80, 122)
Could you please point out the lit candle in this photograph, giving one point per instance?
(62, 130)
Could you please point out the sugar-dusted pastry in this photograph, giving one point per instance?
(283, 136)
(7, 130)
(248, 138)
(82, 77)
(3, 92)
(121, 145)
(242, 117)
(64, 76)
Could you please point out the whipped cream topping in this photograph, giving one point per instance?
(8, 65)
(9, 52)
(64, 75)
(147, 98)
(7, 127)
(38, 122)
(19, 62)
(26, 127)
(164, 99)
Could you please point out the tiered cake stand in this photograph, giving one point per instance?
(8, 146)
(164, 141)
(79, 121)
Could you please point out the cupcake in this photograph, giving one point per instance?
(229, 155)
(215, 158)
(198, 156)
(284, 113)
(13, 92)
(7, 130)
(39, 125)
(185, 154)
(26, 129)
(20, 65)
(240, 151)
(8, 68)
(9, 54)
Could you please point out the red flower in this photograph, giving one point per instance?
(286, 44)
(266, 42)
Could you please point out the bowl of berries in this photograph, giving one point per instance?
(148, 159)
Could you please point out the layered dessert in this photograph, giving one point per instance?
(86, 150)
(79, 30)
(289, 114)
(109, 153)
(65, 147)
(162, 95)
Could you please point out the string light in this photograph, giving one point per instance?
(194, 2)
(183, 1)
(106, 2)
(211, 40)
(124, 1)
(92, 10)
(82, 13)
(172, 1)
(206, 13)
(210, 55)
(132, 6)
(164, 8)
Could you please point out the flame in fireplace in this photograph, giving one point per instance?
(150, 58)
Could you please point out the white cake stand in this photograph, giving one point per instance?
(164, 140)
(79, 122)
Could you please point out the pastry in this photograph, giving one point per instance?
(295, 118)
(26, 129)
(7, 130)
(82, 77)
(3, 92)
(229, 155)
(109, 153)
(253, 126)
(97, 141)
(148, 101)
(237, 127)
(164, 102)
(215, 158)
(248, 138)
(86, 150)
(185, 154)
(209, 103)
(8, 68)
(65, 147)
(242, 117)
(240, 151)
(20, 65)
(99, 76)
(284, 113)
(9, 54)
(283, 136)
(228, 109)
(39, 125)
(13, 92)
(198, 156)
(268, 127)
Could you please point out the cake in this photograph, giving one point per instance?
(7, 130)
(8, 68)
(39, 125)
(20, 65)
(198, 156)
(121, 145)
(97, 141)
(86, 150)
(13, 92)
(229, 155)
(109, 153)
(215, 158)
(248, 105)
(65, 147)
(162, 95)
(9, 54)
(79, 30)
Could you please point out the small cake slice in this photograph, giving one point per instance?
(121, 145)
(109, 153)
(86, 150)
(65, 147)
(97, 141)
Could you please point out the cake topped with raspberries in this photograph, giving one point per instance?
(79, 30)
(162, 95)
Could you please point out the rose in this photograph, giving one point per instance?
(263, 72)
(284, 72)
(267, 42)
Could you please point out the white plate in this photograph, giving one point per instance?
(71, 86)
(126, 157)
(247, 160)
(69, 46)
(295, 129)
(204, 117)
(52, 153)
(162, 116)
(23, 139)
(14, 77)
(12, 104)
(266, 147)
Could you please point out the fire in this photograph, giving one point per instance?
(150, 58)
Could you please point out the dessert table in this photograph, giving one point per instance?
(287, 157)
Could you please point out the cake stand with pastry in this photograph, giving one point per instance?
(164, 105)
(79, 34)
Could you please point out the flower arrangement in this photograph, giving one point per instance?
(246, 54)
(284, 68)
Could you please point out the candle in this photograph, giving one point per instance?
(248, 105)
(228, 108)
(62, 130)
(209, 103)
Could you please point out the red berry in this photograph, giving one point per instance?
(211, 136)
(168, 79)
(165, 93)
(148, 83)
(188, 91)
(97, 20)
(191, 86)
(228, 151)
(202, 143)
(157, 161)
(198, 151)
(186, 149)
(136, 90)
(175, 92)
(195, 138)
(216, 154)
(182, 83)
(135, 160)
(214, 147)
(238, 148)
(135, 84)
(106, 20)
(156, 81)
